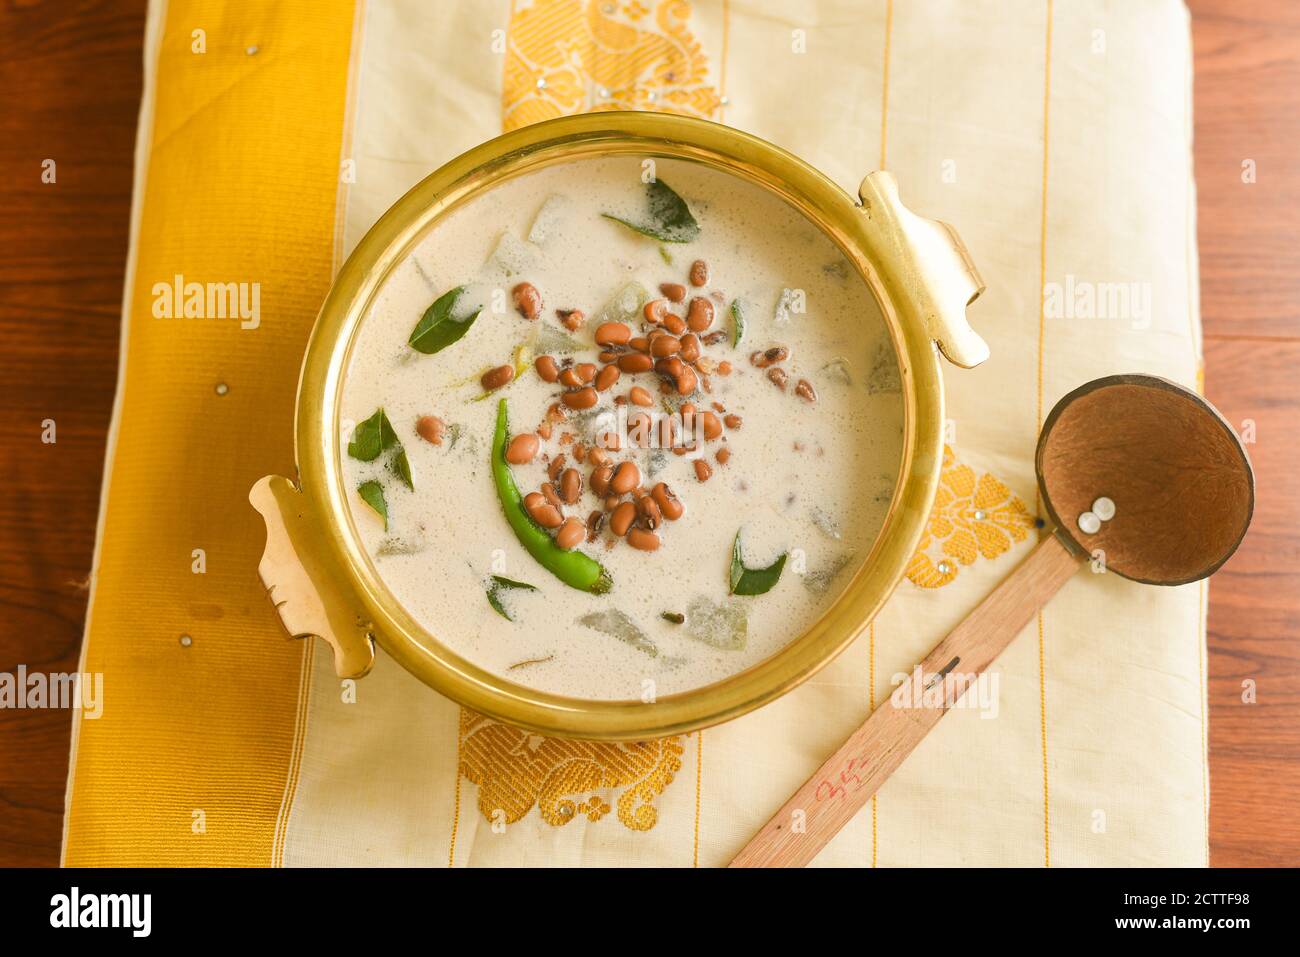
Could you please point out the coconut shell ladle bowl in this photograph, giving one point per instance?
(1136, 473)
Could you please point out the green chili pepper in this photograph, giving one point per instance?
(571, 567)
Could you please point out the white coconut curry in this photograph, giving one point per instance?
(621, 428)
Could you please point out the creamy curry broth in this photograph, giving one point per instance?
(812, 480)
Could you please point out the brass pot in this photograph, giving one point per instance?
(324, 584)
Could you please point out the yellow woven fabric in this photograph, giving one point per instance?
(238, 169)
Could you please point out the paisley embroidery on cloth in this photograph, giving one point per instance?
(973, 515)
(578, 56)
(515, 770)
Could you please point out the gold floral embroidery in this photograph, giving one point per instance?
(973, 515)
(515, 770)
(576, 56)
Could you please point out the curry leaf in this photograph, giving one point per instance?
(753, 581)
(500, 584)
(667, 217)
(737, 323)
(371, 437)
(375, 436)
(372, 493)
(402, 466)
(437, 328)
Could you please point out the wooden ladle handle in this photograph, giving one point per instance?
(841, 786)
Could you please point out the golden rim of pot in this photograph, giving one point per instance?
(918, 271)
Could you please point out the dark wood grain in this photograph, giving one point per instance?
(70, 85)
(1247, 103)
(70, 78)
(1254, 626)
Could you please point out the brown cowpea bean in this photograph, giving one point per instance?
(552, 496)
(546, 368)
(699, 273)
(527, 300)
(622, 518)
(541, 511)
(430, 428)
(607, 377)
(639, 425)
(767, 357)
(626, 477)
(669, 504)
(712, 426)
(570, 486)
(583, 398)
(700, 314)
(494, 379)
(612, 334)
(639, 396)
(640, 538)
(635, 362)
(675, 291)
(805, 391)
(648, 509)
(522, 449)
(670, 367)
(690, 351)
(661, 346)
(571, 533)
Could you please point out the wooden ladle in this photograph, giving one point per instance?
(1182, 491)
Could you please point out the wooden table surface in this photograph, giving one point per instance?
(70, 78)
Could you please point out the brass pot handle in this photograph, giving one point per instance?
(926, 267)
(298, 582)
